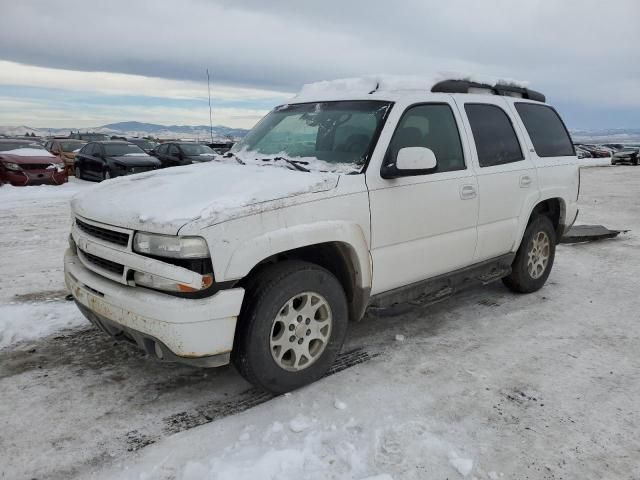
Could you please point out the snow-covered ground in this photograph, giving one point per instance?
(485, 385)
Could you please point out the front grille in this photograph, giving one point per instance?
(35, 166)
(104, 264)
(107, 235)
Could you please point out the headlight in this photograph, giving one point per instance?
(11, 166)
(170, 246)
(157, 282)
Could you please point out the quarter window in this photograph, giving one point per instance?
(494, 136)
(432, 126)
(547, 132)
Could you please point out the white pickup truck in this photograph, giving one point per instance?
(335, 202)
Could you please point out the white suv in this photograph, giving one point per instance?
(342, 200)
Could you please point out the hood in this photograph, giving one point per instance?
(165, 200)
(135, 160)
(626, 153)
(30, 159)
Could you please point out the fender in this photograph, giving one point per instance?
(524, 219)
(253, 251)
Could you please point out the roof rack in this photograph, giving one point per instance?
(466, 86)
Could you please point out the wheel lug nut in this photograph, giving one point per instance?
(308, 332)
(292, 338)
(299, 318)
(308, 321)
(292, 327)
(300, 341)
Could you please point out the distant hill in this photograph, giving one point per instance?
(135, 129)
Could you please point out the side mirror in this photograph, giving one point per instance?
(411, 161)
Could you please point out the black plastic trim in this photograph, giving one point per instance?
(463, 86)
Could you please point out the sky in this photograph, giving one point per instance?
(87, 63)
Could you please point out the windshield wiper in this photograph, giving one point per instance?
(297, 164)
(237, 158)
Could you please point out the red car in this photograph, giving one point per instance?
(23, 162)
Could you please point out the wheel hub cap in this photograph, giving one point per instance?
(538, 255)
(301, 331)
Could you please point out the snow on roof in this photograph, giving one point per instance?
(392, 83)
(27, 152)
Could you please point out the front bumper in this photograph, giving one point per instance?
(194, 331)
(33, 177)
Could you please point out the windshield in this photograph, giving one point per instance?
(71, 146)
(145, 144)
(196, 149)
(4, 146)
(331, 136)
(119, 149)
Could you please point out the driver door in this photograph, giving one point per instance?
(424, 225)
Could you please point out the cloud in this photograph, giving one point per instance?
(579, 51)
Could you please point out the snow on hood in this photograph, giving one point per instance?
(27, 152)
(388, 83)
(165, 200)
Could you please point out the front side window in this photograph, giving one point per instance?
(494, 136)
(432, 126)
(332, 136)
(547, 132)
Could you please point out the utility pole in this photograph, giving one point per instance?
(210, 114)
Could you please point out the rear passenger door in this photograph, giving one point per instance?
(507, 178)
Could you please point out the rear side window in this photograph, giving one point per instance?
(547, 132)
(493, 133)
(432, 126)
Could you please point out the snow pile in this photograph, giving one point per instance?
(27, 322)
(388, 83)
(40, 194)
(212, 192)
(27, 152)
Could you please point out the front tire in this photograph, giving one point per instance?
(534, 259)
(78, 172)
(106, 174)
(291, 327)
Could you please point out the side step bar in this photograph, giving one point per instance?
(443, 286)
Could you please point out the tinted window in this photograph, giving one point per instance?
(88, 149)
(162, 148)
(432, 126)
(121, 149)
(173, 150)
(546, 130)
(493, 133)
(196, 149)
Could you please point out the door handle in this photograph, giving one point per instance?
(467, 192)
(525, 181)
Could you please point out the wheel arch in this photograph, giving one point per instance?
(553, 208)
(339, 247)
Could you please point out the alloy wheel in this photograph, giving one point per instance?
(538, 255)
(301, 331)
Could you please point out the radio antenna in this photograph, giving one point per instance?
(210, 114)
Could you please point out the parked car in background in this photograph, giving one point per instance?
(221, 147)
(614, 146)
(595, 150)
(24, 163)
(174, 154)
(629, 155)
(65, 149)
(89, 137)
(583, 153)
(143, 143)
(112, 158)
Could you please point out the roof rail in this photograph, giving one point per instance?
(466, 86)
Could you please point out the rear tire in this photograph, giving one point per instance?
(106, 174)
(78, 172)
(534, 259)
(292, 326)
